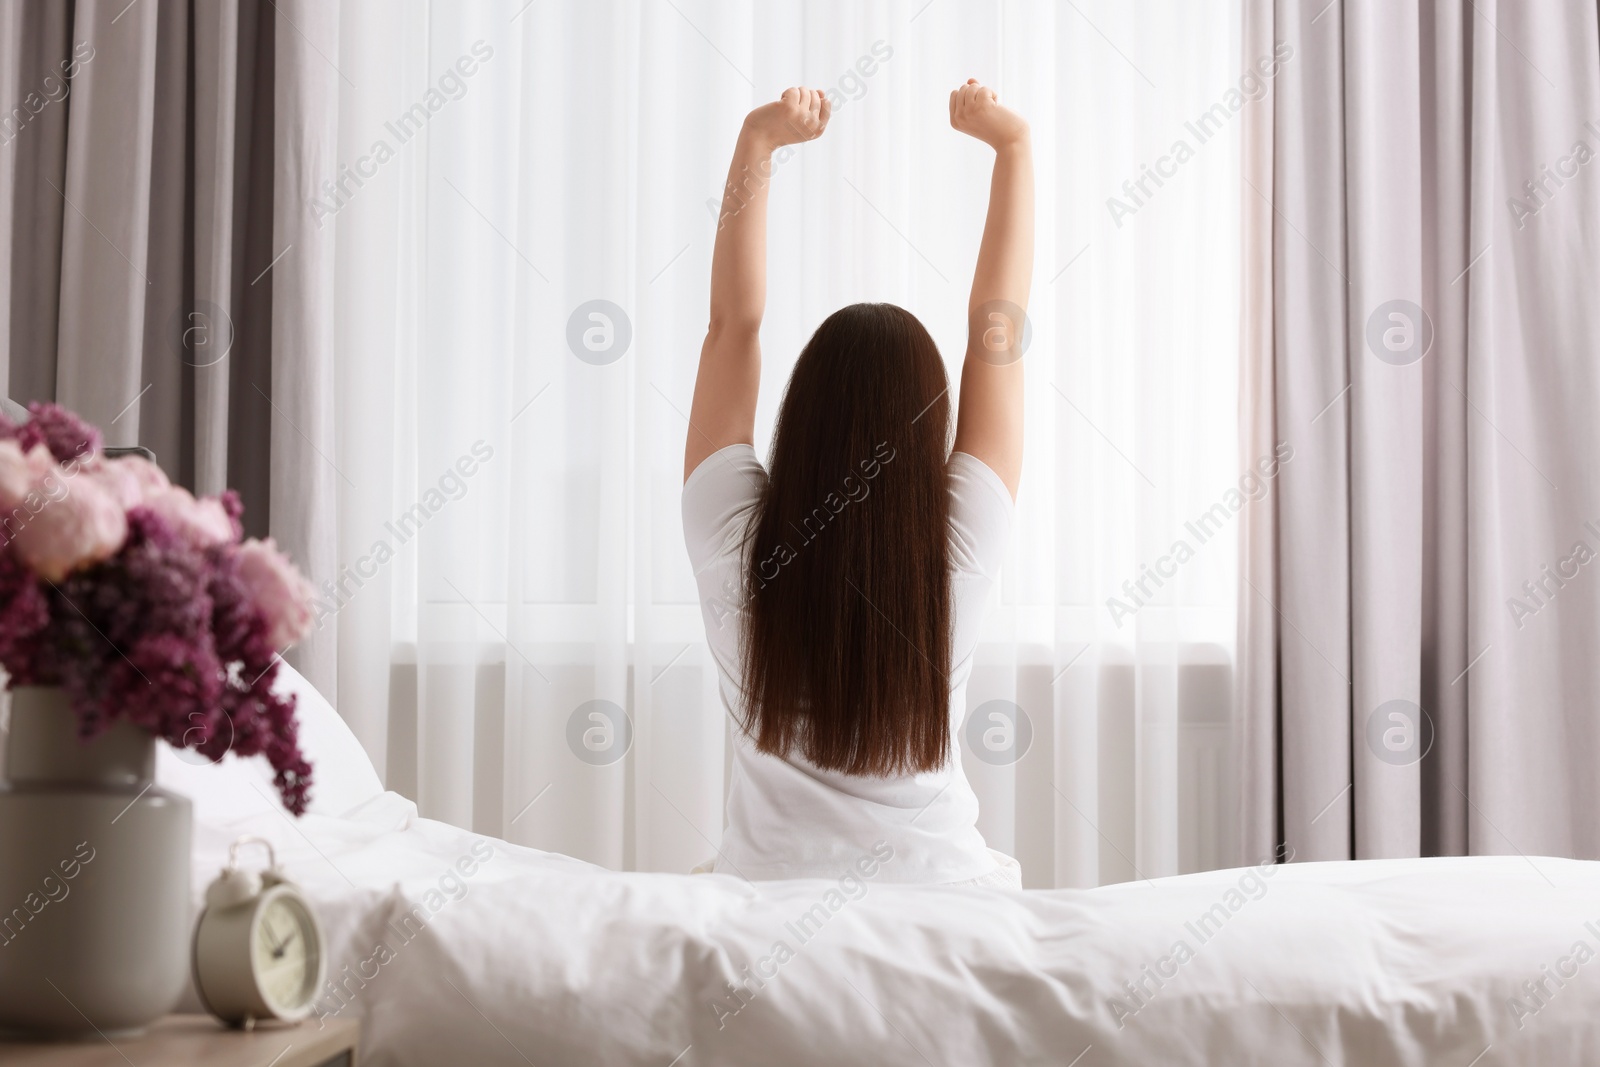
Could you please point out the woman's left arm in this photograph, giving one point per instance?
(725, 389)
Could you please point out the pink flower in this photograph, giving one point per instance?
(57, 523)
(283, 596)
(202, 523)
(77, 524)
(131, 480)
(23, 473)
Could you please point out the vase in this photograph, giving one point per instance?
(94, 876)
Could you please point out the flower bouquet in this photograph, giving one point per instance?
(141, 602)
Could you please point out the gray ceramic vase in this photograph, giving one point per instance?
(94, 876)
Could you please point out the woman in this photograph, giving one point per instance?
(843, 592)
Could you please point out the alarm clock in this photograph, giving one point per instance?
(258, 946)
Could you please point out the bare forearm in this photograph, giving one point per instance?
(739, 259)
(1005, 259)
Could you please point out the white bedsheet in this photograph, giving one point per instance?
(538, 958)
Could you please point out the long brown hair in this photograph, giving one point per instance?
(847, 574)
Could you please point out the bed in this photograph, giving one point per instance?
(454, 948)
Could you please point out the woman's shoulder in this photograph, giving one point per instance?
(981, 511)
(718, 497)
(967, 473)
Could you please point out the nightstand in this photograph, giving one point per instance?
(199, 1039)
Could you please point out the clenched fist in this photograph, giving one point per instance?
(975, 110)
(798, 115)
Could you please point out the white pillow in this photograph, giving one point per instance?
(237, 788)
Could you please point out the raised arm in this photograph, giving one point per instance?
(989, 423)
(724, 409)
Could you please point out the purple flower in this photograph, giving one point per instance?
(24, 614)
(61, 431)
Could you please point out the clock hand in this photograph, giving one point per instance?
(277, 946)
(282, 946)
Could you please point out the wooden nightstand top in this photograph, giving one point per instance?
(199, 1039)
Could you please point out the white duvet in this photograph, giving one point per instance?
(458, 949)
(455, 949)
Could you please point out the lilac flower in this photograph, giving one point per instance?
(62, 432)
(24, 615)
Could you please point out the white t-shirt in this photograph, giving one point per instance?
(788, 818)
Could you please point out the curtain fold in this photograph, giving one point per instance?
(216, 64)
(133, 182)
(1416, 614)
(32, 156)
(106, 228)
(1260, 729)
(306, 479)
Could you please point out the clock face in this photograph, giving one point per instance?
(284, 952)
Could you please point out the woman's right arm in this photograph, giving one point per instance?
(989, 423)
(725, 387)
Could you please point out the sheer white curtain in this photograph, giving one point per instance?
(519, 644)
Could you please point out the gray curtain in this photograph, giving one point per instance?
(155, 158)
(137, 186)
(1420, 606)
